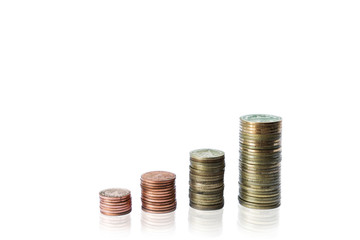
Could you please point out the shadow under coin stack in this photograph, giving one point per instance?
(115, 201)
(207, 168)
(260, 159)
(158, 193)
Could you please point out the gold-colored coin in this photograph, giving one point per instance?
(258, 205)
(206, 207)
(260, 161)
(206, 179)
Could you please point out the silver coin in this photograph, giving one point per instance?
(114, 192)
(206, 153)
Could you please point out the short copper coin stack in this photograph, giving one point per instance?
(115, 201)
(158, 193)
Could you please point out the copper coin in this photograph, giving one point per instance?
(158, 197)
(158, 176)
(115, 214)
(159, 202)
(157, 212)
(114, 205)
(149, 192)
(115, 201)
(157, 187)
(159, 207)
(158, 192)
(115, 210)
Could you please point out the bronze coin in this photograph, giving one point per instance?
(115, 201)
(158, 192)
(158, 176)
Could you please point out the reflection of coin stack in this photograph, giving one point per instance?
(115, 201)
(158, 223)
(258, 220)
(205, 222)
(207, 168)
(115, 223)
(158, 194)
(260, 158)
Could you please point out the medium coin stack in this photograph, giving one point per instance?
(260, 159)
(207, 168)
(158, 193)
(115, 201)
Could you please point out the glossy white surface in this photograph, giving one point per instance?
(95, 93)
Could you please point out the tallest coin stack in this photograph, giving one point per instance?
(260, 159)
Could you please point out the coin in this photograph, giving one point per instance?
(158, 192)
(259, 161)
(206, 207)
(258, 205)
(158, 177)
(206, 179)
(261, 118)
(207, 154)
(115, 201)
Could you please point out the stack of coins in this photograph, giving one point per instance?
(115, 201)
(260, 159)
(207, 168)
(158, 194)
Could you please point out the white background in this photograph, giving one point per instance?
(95, 93)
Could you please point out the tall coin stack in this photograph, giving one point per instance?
(115, 201)
(260, 159)
(158, 194)
(207, 168)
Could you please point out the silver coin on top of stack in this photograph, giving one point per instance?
(207, 168)
(260, 159)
